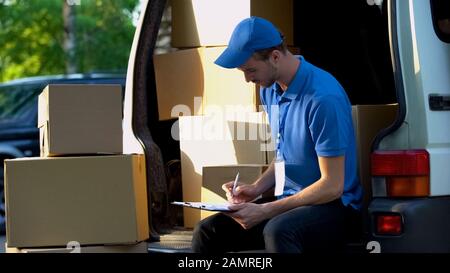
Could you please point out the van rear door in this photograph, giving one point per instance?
(410, 159)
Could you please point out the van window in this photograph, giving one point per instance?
(441, 19)
(17, 103)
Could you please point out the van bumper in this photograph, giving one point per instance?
(426, 224)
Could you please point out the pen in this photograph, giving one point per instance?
(235, 183)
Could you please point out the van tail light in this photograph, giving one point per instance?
(389, 224)
(406, 172)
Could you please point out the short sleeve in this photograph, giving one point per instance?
(328, 125)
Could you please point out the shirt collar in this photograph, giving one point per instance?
(297, 84)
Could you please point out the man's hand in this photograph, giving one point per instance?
(242, 194)
(248, 214)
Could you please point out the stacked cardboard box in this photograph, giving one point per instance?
(215, 176)
(215, 141)
(74, 248)
(189, 83)
(213, 103)
(82, 189)
(201, 30)
(198, 23)
(80, 119)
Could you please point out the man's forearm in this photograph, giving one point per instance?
(328, 188)
(317, 193)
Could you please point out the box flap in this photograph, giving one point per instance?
(43, 107)
(44, 133)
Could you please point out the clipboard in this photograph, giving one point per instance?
(204, 206)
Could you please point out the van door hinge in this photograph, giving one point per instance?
(439, 102)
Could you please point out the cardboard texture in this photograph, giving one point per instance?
(368, 120)
(134, 248)
(92, 200)
(210, 23)
(185, 74)
(209, 141)
(80, 119)
(215, 176)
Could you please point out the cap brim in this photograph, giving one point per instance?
(232, 59)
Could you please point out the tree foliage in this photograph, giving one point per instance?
(32, 36)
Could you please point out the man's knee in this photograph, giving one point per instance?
(280, 237)
(205, 225)
(276, 229)
(203, 234)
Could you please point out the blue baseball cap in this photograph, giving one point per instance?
(250, 35)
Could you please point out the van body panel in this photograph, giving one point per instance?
(398, 139)
(426, 223)
(425, 66)
(439, 171)
(423, 60)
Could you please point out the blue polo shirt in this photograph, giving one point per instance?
(313, 118)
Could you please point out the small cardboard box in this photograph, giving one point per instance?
(80, 119)
(92, 200)
(215, 176)
(209, 141)
(198, 23)
(74, 248)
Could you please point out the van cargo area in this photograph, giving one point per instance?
(188, 126)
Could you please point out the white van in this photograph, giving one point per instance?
(410, 210)
(382, 52)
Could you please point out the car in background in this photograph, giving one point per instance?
(19, 135)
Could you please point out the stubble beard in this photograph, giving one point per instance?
(273, 76)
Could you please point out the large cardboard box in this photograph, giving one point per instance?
(210, 23)
(92, 200)
(212, 141)
(184, 75)
(71, 248)
(368, 121)
(215, 176)
(80, 119)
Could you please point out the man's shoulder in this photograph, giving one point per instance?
(319, 101)
(327, 89)
(322, 79)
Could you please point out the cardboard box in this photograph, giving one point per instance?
(184, 75)
(80, 119)
(92, 200)
(215, 176)
(210, 23)
(210, 141)
(368, 121)
(134, 248)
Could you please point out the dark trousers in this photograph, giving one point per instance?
(318, 228)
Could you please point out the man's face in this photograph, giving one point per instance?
(260, 72)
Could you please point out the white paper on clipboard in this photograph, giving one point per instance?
(204, 206)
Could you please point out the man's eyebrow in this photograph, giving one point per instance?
(250, 69)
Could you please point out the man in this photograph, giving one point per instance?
(310, 115)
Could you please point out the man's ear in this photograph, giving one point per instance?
(275, 56)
